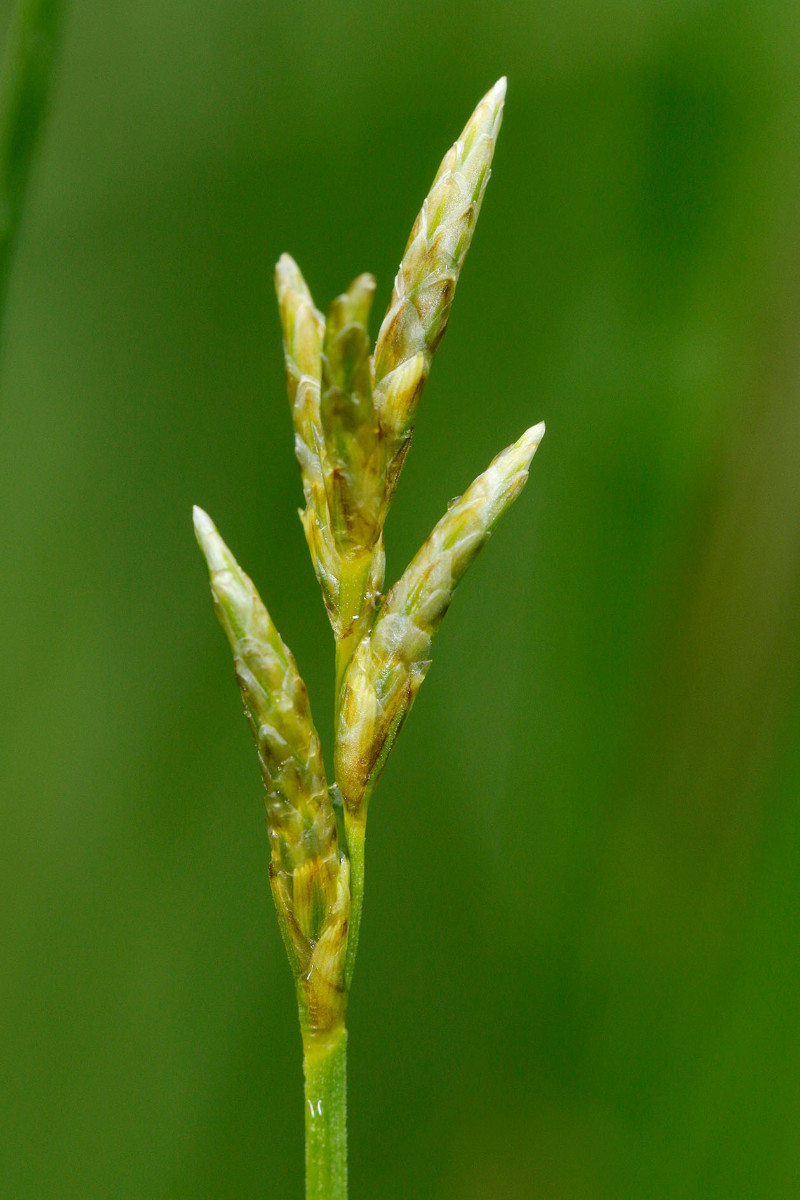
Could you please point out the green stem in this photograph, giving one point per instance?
(353, 585)
(27, 72)
(356, 831)
(325, 1070)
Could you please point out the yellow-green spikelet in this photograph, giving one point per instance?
(303, 334)
(309, 877)
(423, 291)
(390, 664)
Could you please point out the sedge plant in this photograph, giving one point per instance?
(353, 411)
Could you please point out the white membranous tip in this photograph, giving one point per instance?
(211, 543)
(517, 457)
(531, 437)
(201, 519)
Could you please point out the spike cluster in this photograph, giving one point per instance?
(353, 415)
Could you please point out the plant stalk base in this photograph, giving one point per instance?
(325, 1070)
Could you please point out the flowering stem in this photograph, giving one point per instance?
(356, 612)
(356, 829)
(325, 1071)
(353, 415)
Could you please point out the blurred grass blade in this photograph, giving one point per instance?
(27, 72)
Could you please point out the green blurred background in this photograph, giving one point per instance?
(580, 964)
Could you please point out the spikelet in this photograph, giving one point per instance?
(309, 879)
(349, 422)
(389, 665)
(423, 288)
(303, 334)
(354, 463)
